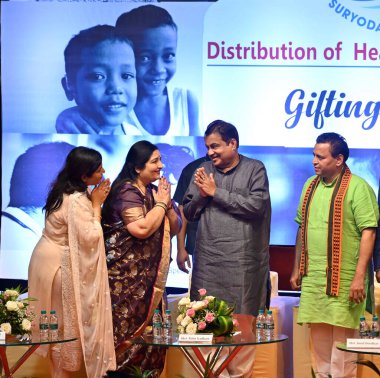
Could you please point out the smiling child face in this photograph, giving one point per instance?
(105, 86)
(156, 59)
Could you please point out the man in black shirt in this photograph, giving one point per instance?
(186, 237)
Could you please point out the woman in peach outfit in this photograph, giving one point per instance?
(68, 272)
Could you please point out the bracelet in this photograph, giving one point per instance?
(162, 205)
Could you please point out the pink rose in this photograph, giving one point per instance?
(209, 317)
(202, 326)
(205, 301)
(202, 292)
(190, 312)
(235, 323)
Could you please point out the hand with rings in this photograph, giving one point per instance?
(163, 193)
(100, 193)
(205, 182)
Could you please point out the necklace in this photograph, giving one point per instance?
(142, 189)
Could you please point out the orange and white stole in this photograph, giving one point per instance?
(335, 230)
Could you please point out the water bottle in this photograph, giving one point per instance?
(44, 326)
(157, 325)
(269, 326)
(363, 328)
(375, 331)
(260, 323)
(53, 326)
(167, 326)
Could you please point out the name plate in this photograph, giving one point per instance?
(2, 335)
(363, 343)
(196, 338)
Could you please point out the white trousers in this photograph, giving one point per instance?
(325, 357)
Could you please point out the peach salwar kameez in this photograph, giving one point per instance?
(68, 273)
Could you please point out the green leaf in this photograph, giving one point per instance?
(138, 373)
(223, 325)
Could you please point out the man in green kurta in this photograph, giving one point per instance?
(338, 216)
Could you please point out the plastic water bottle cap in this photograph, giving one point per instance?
(269, 312)
(43, 311)
(52, 311)
(156, 310)
(261, 311)
(167, 311)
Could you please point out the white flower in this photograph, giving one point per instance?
(11, 293)
(11, 306)
(184, 301)
(6, 327)
(191, 328)
(181, 329)
(26, 325)
(210, 298)
(199, 305)
(180, 318)
(20, 304)
(186, 320)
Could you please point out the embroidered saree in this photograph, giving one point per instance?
(68, 273)
(137, 270)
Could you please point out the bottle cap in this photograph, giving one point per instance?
(269, 312)
(167, 311)
(362, 318)
(43, 311)
(261, 311)
(157, 310)
(375, 317)
(52, 311)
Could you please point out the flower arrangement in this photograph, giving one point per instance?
(207, 315)
(15, 317)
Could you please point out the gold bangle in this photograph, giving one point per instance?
(162, 205)
(162, 202)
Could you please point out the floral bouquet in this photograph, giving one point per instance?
(208, 315)
(15, 317)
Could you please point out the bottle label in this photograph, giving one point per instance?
(44, 327)
(157, 325)
(53, 327)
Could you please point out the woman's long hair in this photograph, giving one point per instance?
(81, 161)
(138, 155)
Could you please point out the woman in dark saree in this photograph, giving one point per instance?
(139, 220)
